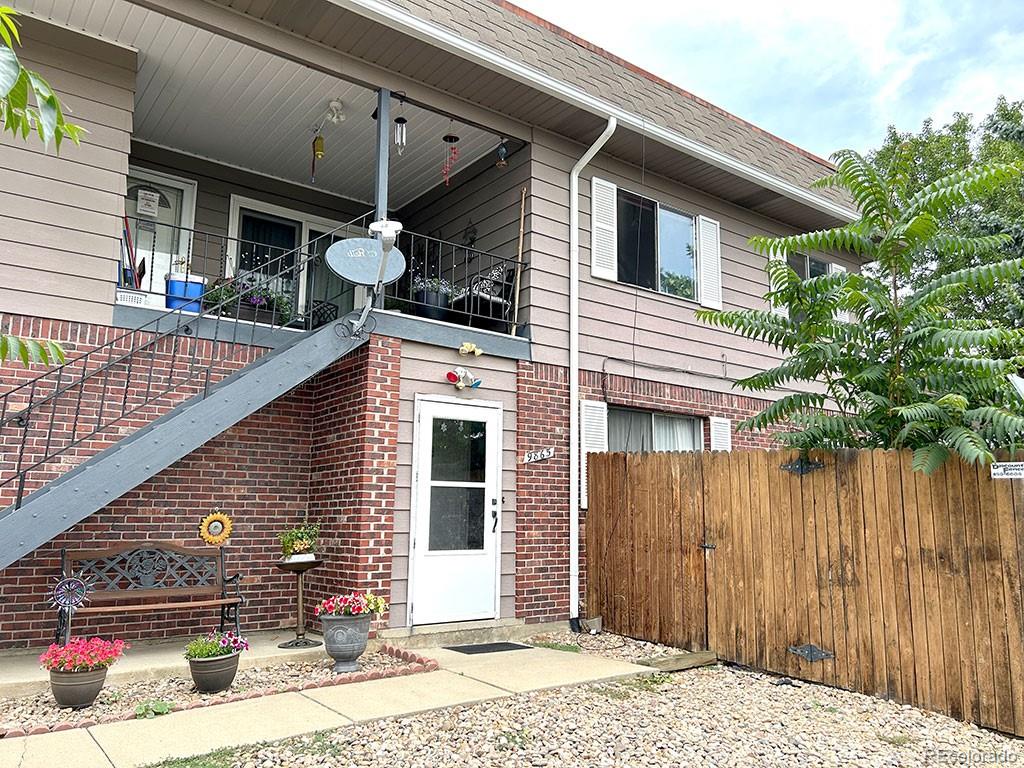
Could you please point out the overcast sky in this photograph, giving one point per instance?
(822, 74)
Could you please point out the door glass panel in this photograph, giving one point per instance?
(329, 295)
(267, 247)
(156, 238)
(459, 451)
(456, 518)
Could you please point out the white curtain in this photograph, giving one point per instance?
(641, 431)
(675, 433)
(629, 431)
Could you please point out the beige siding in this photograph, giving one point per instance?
(60, 241)
(423, 370)
(481, 196)
(620, 324)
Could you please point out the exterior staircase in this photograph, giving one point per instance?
(134, 406)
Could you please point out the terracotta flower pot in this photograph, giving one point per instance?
(214, 674)
(345, 639)
(76, 690)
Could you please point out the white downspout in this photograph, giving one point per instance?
(574, 369)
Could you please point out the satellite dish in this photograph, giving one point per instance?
(357, 260)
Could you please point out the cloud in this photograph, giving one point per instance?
(823, 75)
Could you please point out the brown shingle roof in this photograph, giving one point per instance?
(520, 35)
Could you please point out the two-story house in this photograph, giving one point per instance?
(563, 210)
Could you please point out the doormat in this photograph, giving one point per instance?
(486, 647)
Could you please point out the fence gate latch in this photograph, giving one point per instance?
(811, 652)
(802, 466)
(706, 545)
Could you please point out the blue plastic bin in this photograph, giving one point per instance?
(181, 288)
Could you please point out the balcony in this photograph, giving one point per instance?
(171, 267)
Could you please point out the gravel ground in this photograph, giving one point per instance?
(606, 644)
(119, 700)
(713, 716)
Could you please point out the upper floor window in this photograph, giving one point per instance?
(655, 246)
(636, 240)
(807, 267)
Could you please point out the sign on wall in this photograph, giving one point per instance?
(541, 454)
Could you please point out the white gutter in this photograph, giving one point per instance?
(441, 37)
(574, 366)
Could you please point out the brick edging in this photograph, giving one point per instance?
(415, 664)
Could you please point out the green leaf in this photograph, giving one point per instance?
(10, 70)
(929, 458)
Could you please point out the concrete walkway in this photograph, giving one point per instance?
(462, 679)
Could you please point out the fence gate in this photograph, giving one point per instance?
(645, 569)
(860, 573)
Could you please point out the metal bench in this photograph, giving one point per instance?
(145, 576)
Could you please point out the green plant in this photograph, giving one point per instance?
(248, 291)
(299, 540)
(432, 285)
(904, 372)
(215, 644)
(19, 117)
(896, 739)
(147, 710)
(512, 740)
(567, 647)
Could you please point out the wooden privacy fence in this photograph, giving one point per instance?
(910, 583)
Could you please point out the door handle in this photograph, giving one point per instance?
(494, 517)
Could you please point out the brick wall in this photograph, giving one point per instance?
(328, 447)
(542, 494)
(175, 364)
(671, 398)
(257, 471)
(353, 465)
(542, 488)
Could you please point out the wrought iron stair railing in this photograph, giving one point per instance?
(120, 383)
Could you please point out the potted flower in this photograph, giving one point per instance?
(246, 298)
(432, 295)
(299, 543)
(79, 668)
(213, 660)
(345, 622)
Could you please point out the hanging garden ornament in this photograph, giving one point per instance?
(400, 133)
(318, 154)
(451, 156)
(215, 528)
(502, 153)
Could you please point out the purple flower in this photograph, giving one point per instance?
(224, 642)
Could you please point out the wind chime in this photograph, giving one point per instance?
(401, 128)
(451, 154)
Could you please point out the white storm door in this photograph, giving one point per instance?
(457, 512)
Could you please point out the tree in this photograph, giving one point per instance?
(21, 118)
(937, 152)
(906, 371)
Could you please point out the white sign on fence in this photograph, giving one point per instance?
(1008, 470)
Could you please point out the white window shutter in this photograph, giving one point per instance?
(593, 438)
(721, 434)
(842, 316)
(604, 262)
(709, 262)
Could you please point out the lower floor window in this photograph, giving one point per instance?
(635, 431)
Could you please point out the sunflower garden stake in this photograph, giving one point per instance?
(215, 528)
